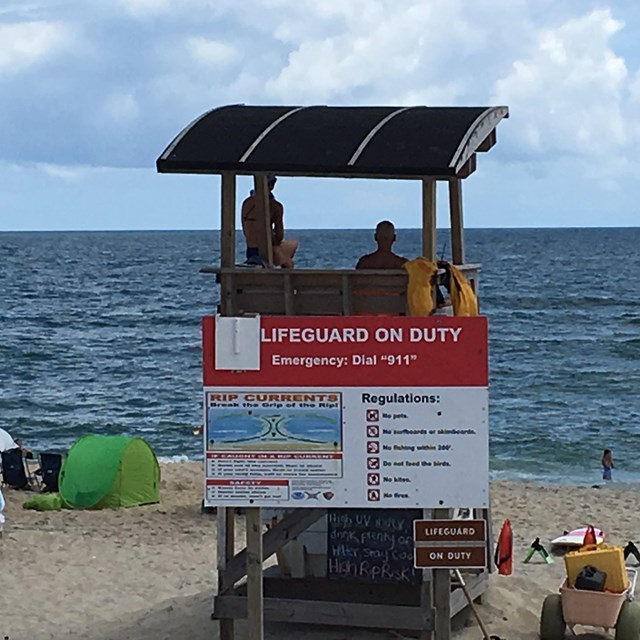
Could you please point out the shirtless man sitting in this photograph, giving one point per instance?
(283, 250)
(382, 257)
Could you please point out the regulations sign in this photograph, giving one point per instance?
(450, 544)
(350, 412)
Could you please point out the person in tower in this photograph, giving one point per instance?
(283, 250)
(383, 257)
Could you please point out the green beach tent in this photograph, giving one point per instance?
(108, 472)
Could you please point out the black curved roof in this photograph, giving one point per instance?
(334, 141)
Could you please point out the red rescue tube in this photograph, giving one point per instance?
(589, 537)
(504, 550)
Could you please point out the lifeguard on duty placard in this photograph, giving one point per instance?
(350, 412)
(450, 544)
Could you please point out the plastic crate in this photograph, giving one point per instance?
(594, 608)
(605, 557)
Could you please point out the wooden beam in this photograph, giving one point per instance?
(255, 615)
(485, 514)
(476, 134)
(289, 307)
(467, 168)
(429, 250)
(284, 531)
(263, 219)
(228, 220)
(488, 142)
(403, 594)
(379, 616)
(457, 225)
(441, 594)
(347, 305)
(425, 593)
(227, 295)
(225, 551)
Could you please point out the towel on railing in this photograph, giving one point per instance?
(463, 298)
(420, 286)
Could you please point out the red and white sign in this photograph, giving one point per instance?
(352, 351)
(350, 411)
(249, 490)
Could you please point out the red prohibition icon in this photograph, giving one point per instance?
(373, 415)
(373, 463)
(373, 446)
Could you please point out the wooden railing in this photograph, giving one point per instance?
(246, 290)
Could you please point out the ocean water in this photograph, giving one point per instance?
(99, 332)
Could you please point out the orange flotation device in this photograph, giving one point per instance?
(504, 550)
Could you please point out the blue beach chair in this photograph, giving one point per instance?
(14, 474)
(50, 465)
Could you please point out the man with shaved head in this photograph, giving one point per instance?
(382, 257)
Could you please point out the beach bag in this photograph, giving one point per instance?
(44, 502)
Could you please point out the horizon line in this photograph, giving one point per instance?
(296, 229)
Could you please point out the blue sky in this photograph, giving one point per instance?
(93, 91)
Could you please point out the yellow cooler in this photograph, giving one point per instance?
(604, 557)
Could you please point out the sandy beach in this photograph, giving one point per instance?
(149, 572)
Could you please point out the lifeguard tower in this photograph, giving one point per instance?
(315, 583)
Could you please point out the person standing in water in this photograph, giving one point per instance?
(607, 464)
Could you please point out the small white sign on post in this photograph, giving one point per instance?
(237, 346)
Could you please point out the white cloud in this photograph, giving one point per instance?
(121, 107)
(383, 51)
(210, 52)
(568, 73)
(21, 9)
(66, 173)
(73, 173)
(569, 90)
(24, 44)
(364, 44)
(145, 8)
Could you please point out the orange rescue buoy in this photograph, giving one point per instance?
(504, 550)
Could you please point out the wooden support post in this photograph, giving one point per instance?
(455, 212)
(425, 594)
(263, 216)
(429, 249)
(347, 302)
(226, 550)
(486, 515)
(442, 594)
(228, 220)
(255, 600)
